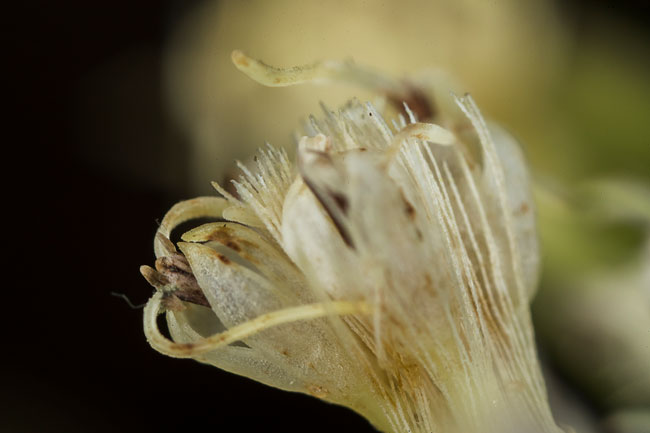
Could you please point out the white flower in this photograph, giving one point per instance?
(390, 270)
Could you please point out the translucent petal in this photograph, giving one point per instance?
(314, 243)
(236, 359)
(308, 352)
(260, 252)
(521, 205)
(236, 293)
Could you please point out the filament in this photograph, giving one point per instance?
(288, 315)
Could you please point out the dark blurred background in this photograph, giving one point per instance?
(88, 137)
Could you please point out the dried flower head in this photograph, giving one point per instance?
(389, 270)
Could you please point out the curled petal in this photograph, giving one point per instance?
(200, 207)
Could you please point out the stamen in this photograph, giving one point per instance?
(288, 315)
(328, 71)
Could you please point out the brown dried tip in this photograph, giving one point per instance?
(174, 276)
(153, 277)
(174, 264)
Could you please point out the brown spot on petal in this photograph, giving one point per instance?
(233, 246)
(523, 209)
(224, 235)
(224, 259)
(409, 209)
(184, 347)
(340, 200)
(329, 199)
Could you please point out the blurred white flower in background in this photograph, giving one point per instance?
(505, 53)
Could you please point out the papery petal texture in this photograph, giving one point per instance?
(390, 269)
